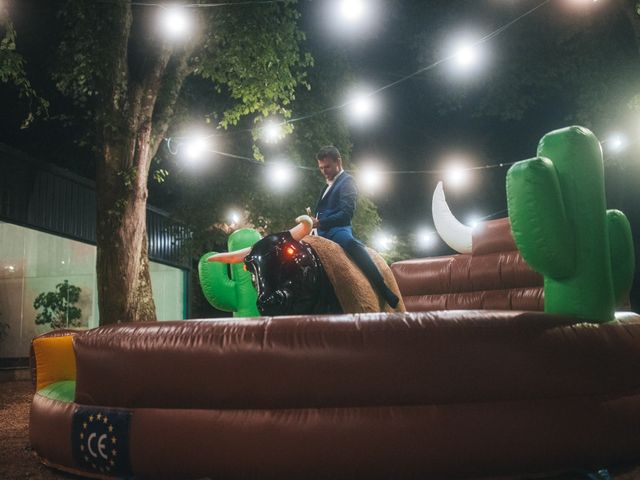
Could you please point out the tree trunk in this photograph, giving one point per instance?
(124, 283)
(131, 128)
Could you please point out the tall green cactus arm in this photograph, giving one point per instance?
(568, 184)
(538, 218)
(217, 287)
(245, 293)
(233, 293)
(622, 255)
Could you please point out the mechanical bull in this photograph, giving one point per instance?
(311, 276)
(287, 273)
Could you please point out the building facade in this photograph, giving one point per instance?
(47, 238)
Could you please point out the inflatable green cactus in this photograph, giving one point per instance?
(562, 228)
(235, 294)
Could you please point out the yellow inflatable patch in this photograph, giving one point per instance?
(55, 360)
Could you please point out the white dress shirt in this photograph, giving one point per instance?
(331, 182)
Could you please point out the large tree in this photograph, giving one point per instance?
(125, 79)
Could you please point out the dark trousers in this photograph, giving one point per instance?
(343, 236)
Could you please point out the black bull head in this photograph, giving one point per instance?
(286, 273)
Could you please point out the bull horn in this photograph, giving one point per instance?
(303, 227)
(454, 233)
(237, 256)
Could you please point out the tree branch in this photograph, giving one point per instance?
(115, 79)
(178, 70)
(143, 96)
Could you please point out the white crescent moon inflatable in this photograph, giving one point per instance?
(454, 233)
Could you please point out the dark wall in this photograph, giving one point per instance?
(45, 197)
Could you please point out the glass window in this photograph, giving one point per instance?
(34, 264)
(169, 291)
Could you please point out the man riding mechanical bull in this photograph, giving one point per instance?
(293, 276)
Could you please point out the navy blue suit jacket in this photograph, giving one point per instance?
(336, 209)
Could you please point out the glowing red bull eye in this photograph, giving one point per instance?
(290, 251)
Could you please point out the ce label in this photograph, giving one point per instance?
(100, 443)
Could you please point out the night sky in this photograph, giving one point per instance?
(417, 129)
(435, 113)
(414, 133)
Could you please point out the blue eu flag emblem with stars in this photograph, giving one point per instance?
(100, 440)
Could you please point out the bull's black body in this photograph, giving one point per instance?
(289, 278)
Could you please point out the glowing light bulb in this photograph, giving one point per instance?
(281, 175)
(371, 179)
(425, 239)
(272, 132)
(352, 10)
(474, 221)
(362, 106)
(382, 241)
(175, 21)
(616, 142)
(457, 176)
(195, 147)
(234, 217)
(467, 54)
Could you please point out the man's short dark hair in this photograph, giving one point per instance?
(329, 152)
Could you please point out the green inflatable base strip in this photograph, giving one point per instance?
(64, 391)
